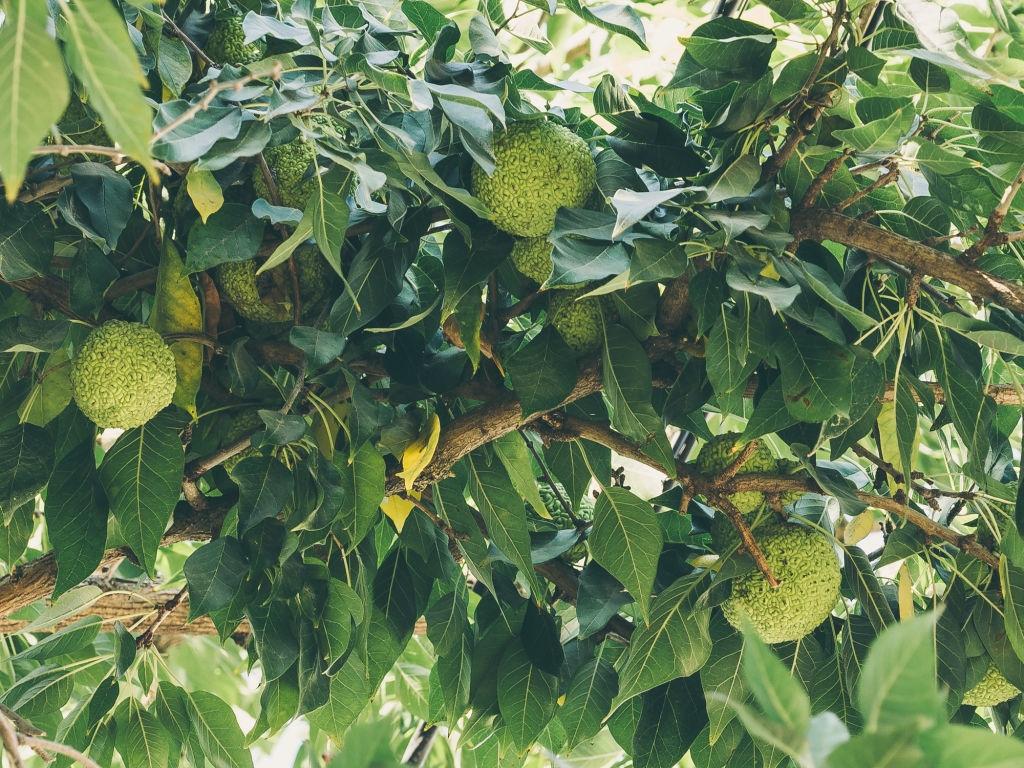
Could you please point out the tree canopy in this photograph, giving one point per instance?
(335, 336)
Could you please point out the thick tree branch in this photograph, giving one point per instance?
(826, 225)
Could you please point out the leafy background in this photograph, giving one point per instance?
(886, 346)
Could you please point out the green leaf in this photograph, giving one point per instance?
(502, 510)
(343, 611)
(897, 686)
(514, 454)
(69, 639)
(542, 372)
(141, 740)
(102, 56)
(887, 748)
(215, 574)
(728, 357)
(265, 485)
(176, 310)
(859, 577)
(674, 643)
(526, 695)
(36, 89)
(816, 375)
(619, 19)
(626, 540)
(961, 746)
(217, 730)
(781, 697)
(231, 234)
(76, 517)
(362, 479)
(672, 716)
(447, 621)
(349, 694)
(141, 475)
(722, 676)
(15, 535)
(626, 374)
(26, 460)
(26, 241)
(588, 699)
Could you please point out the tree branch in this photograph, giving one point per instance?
(826, 225)
(990, 235)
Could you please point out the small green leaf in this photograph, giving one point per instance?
(526, 695)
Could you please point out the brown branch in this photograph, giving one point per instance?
(32, 192)
(886, 178)
(889, 246)
(162, 614)
(831, 169)
(742, 527)
(64, 150)
(45, 745)
(10, 740)
(990, 235)
(136, 282)
(177, 32)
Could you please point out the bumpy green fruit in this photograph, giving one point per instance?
(289, 163)
(80, 125)
(226, 44)
(992, 689)
(719, 454)
(560, 519)
(244, 424)
(531, 256)
(123, 375)
(805, 564)
(262, 298)
(539, 167)
(580, 323)
(316, 280)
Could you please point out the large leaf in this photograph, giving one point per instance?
(526, 695)
(176, 310)
(141, 475)
(26, 460)
(215, 573)
(626, 541)
(588, 699)
(35, 91)
(102, 56)
(816, 375)
(141, 739)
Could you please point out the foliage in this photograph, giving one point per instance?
(805, 242)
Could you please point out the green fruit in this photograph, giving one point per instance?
(316, 279)
(263, 298)
(560, 518)
(244, 424)
(531, 256)
(80, 125)
(580, 323)
(992, 689)
(805, 564)
(226, 44)
(721, 451)
(787, 467)
(540, 167)
(290, 164)
(123, 375)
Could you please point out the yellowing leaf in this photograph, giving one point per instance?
(397, 509)
(770, 272)
(859, 527)
(419, 452)
(176, 310)
(327, 423)
(905, 594)
(205, 192)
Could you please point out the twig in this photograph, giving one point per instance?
(61, 749)
(215, 88)
(725, 476)
(886, 178)
(576, 521)
(188, 41)
(823, 178)
(519, 308)
(419, 745)
(10, 739)
(448, 531)
(746, 536)
(165, 610)
(92, 149)
(990, 234)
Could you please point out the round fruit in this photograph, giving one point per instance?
(806, 567)
(580, 322)
(560, 518)
(540, 167)
(718, 455)
(123, 375)
(992, 689)
(226, 44)
(263, 297)
(290, 164)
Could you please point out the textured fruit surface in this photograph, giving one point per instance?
(992, 689)
(244, 424)
(289, 163)
(226, 44)
(805, 564)
(721, 451)
(539, 167)
(262, 298)
(123, 375)
(316, 279)
(724, 538)
(579, 323)
(80, 125)
(560, 519)
(531, 256)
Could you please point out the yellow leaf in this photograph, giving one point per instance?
(561, 700)
(905, 594)
(770, 272)
(177, 310)
(419, 452)
(205, 192)
(859, 527)
(397, 510)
